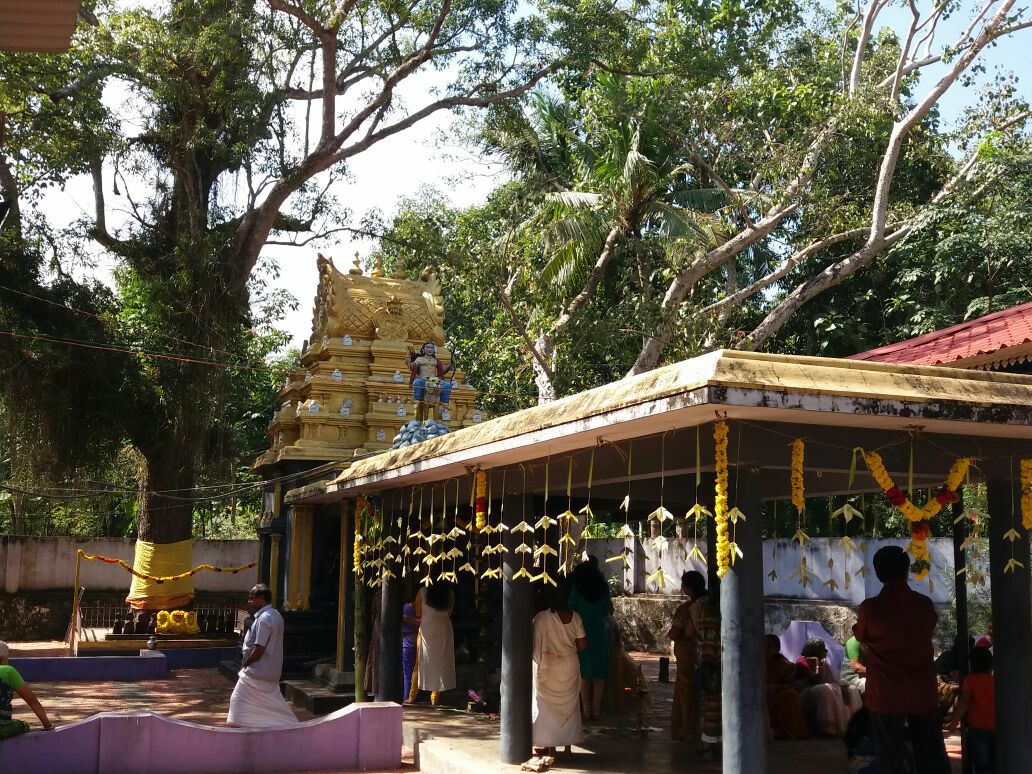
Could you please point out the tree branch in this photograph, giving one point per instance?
(787, 265)
(100, 232)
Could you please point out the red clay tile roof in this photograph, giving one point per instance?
(995, 340)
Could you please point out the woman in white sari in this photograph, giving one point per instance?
(558, 637)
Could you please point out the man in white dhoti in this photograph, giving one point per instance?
(558, 637)
(256, 701)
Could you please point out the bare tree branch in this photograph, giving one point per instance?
(100, 231)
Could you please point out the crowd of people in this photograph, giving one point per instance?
(885, 701)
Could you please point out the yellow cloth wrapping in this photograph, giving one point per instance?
(161, 560)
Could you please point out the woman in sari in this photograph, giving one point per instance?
(436, 640)
(706, 619)
(784, 709)
(590, 600)
(828, 702)
(558, 638)
(683, 723)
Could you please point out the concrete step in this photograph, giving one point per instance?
(229, 669)
(316, 697)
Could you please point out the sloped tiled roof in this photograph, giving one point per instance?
(996, 340)
(37, 25)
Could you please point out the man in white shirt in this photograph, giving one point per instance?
(256, 701)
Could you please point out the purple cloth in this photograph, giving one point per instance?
(408, 647)
(796, 635)
(408, 631)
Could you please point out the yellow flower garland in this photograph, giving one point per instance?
(481, 499)
(1026, 494)
(918, 517)
(798, 495)
(720, 508)
(931, 508)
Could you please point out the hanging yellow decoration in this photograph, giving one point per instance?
(720, 500)
(1026, 494)
(481, 501)
(798, 494)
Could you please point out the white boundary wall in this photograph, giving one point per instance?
(39, 564)
(782, 558)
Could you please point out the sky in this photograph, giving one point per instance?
(425, 155)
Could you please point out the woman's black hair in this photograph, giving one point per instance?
(559, 597)
(694, 581)
(589, 582)
(981, 660)
(438, 595)
(814, 648)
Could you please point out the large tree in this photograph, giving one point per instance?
(819, 133)
(236, 117)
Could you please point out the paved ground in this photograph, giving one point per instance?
(462, 743)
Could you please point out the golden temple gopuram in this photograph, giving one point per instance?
(352, 393)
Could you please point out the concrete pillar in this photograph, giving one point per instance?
(391, 684)
(744, 732)
(517, 644)
(274, 568)
(1012, 628)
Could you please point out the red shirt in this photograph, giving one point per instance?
(981, 711)
(895, 629)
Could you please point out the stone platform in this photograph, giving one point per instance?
(357, 738)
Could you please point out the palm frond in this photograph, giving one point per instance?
(576, 200)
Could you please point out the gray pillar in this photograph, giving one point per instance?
(1012, 629)
(744, 734)
(391, 680)
(517, 643)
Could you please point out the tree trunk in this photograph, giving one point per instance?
(166, 496)
(545, 346)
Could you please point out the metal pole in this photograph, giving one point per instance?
(1012, 628)
(517, 647)
(960, 644)
(75, 601)
(744, 726)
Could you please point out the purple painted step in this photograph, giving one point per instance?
(360, 737)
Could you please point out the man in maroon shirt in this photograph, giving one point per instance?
(895, 629)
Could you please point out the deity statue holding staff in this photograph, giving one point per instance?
(428, 379)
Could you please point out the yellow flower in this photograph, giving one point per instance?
(720, 509)
(1026, 493)
(798, 495)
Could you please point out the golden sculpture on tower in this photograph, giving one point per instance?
(373, 338)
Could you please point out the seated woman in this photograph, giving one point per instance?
(828, 703)
(558, 638)
(784, 708)
(626, 692)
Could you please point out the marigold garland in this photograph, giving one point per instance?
(798, 493)
(919, 518)
(1026, 494)
(720, 508)
(162, 578)
(480, 506)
